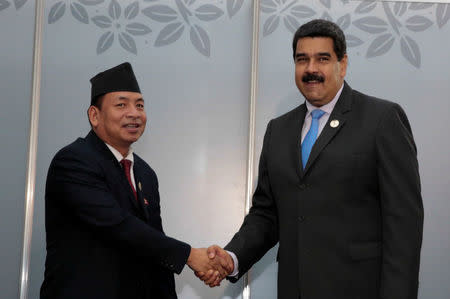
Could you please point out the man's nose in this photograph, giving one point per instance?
(133, 112)
(311, 67)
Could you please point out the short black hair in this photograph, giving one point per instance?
(98, 101)
(322, 28)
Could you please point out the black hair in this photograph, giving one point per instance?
(98, 101)
(322, 28)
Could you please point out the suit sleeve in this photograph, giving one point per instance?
(77, 186)
(259, 231)
(401, 206)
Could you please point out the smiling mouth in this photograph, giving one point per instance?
(131, 126)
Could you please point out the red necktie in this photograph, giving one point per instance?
(126, 164)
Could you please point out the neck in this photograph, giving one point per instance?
(123, 151)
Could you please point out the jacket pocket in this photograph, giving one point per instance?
(364, 250)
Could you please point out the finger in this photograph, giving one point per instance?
(211, 279)
(225, 263)
(229, 263)
(212, 251)
(225, 259)
(199, 274)
(216, 282)
(207, 276)
(230, 266)
(222, 270)
(214, 285)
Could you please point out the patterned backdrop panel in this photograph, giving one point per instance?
(397, 51)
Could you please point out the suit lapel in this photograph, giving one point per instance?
(117, 173)
(343, 105)
(142, 201)
(298, 119)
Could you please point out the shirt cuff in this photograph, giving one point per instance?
(236, 265)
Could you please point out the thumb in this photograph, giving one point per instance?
(212, 250)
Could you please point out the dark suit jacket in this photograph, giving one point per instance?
(349, 225)
(101, 242)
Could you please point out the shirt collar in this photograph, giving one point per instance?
(328, 108)
(119, 156)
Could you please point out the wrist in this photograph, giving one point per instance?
(192, 256)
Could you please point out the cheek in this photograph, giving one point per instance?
(332, 75)
(112, 118)
(144, 119)
(298, 75)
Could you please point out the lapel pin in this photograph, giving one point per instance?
(334, 123)
(140, 186)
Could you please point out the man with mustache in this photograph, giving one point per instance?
(338, 187)
(102, 208)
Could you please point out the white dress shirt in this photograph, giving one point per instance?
(119, 158)
(328, 108)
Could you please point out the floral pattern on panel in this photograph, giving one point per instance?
(378, 26)
(384, 24)
(77, 10)
(120, 25)
(4, 4)
(171, 19)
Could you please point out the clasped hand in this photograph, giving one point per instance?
(211, 265)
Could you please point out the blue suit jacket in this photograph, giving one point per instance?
(101, 242)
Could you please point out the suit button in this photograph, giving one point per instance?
(301, 218)
(302, 186)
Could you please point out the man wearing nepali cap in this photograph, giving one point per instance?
(103, 225)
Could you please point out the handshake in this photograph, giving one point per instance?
(211, 265)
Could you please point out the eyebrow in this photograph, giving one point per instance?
(318, 54)
(126, 98)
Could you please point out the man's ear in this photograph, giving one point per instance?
(93, 114)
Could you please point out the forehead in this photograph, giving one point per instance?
(118, 95)
(315, 45)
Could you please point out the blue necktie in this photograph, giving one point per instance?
(311, 136)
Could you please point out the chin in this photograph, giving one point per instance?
(131, 140)
(311, 95)
(313, 100)
(317, 103)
